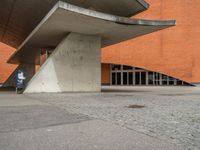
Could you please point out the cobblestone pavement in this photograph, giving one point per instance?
(170, 113)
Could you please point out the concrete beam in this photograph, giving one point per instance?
(74, 66)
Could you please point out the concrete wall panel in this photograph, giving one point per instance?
(74, 66)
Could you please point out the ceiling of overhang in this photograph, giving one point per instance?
(19, 17)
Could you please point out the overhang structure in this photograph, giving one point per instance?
(19, 17)
(65, 18)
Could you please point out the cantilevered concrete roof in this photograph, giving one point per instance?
(65, 18)
(19, 17)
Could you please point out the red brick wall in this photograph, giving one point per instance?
(174, 51)
(5, 69)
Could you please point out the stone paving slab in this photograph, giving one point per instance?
(19, 118)
(10, 98)
(87, 135)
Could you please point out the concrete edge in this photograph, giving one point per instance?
(144, 3)
(196, 84)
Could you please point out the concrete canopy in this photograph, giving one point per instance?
(65, 18)
(20, 17)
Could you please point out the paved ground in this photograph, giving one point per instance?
(169, 120)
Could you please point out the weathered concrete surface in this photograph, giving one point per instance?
(65, 18)
(88, 135)
(74, 66)
(28, 123)
(11, 99)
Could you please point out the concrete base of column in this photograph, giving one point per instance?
(74, 66)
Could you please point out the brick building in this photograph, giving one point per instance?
(168, 57)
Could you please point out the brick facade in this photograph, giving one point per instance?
(174, 51)
(5, 69)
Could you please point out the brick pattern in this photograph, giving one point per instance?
(5, 69)
(174, 51)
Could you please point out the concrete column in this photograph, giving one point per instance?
(133, 77)
(147, 79)
(74, 66)
(160, 78)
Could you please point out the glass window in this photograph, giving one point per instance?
(136, 68)
(157, 78)
(127, 75)
(130, 78)
(179, 82)
(143, 78)
(171, 81)
(118, 78)
(150, 76)
(125, 78)
(113, 78)
(116, 67)
(127, 68)
(164, 79)
(137, 78)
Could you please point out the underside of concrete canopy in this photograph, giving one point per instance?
(19, 17)
(65, 18)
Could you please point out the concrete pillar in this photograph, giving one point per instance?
(147, 78)
(74, 66)
(28, 69)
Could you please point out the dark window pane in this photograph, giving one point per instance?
(156, 79)
(113, 78)
(118, 78)
(136, 68)
(179, 82)
(157, 76)
(143, 78)
(130, 78)
(164, 79)
(125, 78)
(116, 67)
(127, 68)
(150, 76)
(137, 78)
(171, 81)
